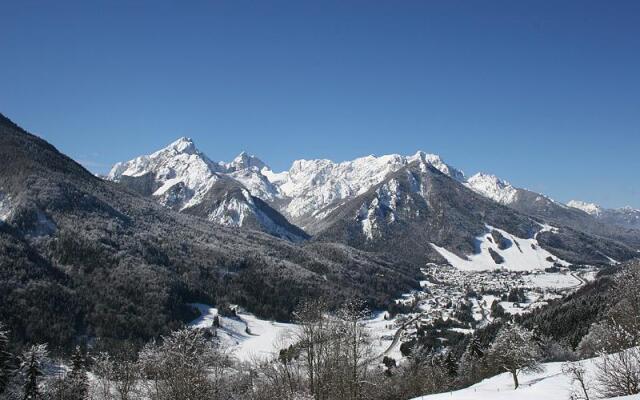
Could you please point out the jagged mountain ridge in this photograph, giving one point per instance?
(312, 192)
(305, 193)
(417, 211)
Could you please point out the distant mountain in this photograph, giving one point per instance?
(493, 187)
(580, 217)
(421, 214)
(184, 179)
(310, 189)
(227, 202)
(83, 256)
(370, 204)
(625, 217)
(589, 208)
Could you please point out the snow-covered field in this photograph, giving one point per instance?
(266, 338)
(552, 384)
(382, 333)
(521, 255)
(553, 281)
(247, 337)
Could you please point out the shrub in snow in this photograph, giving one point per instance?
(618, 374)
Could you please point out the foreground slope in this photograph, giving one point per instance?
(551, 384)
(83, 256)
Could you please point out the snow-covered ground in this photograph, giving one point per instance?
(382, 333)
(262, 339)
(521, 255)
(5, 207)
(553, 280)
(552, 384)
(266, 338)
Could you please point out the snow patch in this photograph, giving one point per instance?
(5, 207)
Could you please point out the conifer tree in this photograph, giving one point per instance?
(77, 379)
(5, 359)
(32, 364)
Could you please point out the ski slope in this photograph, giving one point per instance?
(521, 255)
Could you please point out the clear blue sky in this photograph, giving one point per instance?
(545, 94)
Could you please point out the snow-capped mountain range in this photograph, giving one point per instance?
(368, 199)
(182, 176)
(625, 217)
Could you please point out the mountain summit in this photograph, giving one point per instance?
(246, 161)
(182, 178)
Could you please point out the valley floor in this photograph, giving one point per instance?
(248, 337)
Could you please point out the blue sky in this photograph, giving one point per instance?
(545, 94)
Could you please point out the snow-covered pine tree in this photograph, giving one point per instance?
(5, 359)
(77, 379)
(514, 350)
(32, 363)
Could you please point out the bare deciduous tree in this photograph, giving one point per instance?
(618, 374)
(578, 374)
(515, 351)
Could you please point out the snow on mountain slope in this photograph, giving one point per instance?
(257, 183)
(516, 254)
(231, 204)
(232, 211)
(313, 186)
(384, 205)
(180, 163)
(183, 178)
(492, 187)
(551, 384)
(589, 208)
(246, 161)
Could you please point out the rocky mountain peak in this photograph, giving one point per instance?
(246, 161)
(182, 145)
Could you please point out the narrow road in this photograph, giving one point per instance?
(398, 334)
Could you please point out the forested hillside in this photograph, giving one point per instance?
(80, 256)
